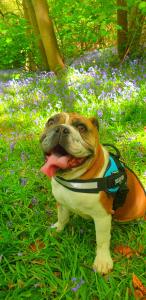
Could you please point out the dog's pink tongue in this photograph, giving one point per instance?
(54, 163)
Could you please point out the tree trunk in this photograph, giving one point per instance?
(122, 34)
(29, 64)
(136, 22)
(47, 35)
(28, 7)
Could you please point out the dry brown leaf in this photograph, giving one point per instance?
(140, 289)
(30, 206)
(138, 295)
(11, 285)
(37, 246)
(57, 273)
(137, 283)
(124, 250)
(38, 261)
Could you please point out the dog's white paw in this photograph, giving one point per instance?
(103, 263)
(59, 227)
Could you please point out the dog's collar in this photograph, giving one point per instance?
(110, 182)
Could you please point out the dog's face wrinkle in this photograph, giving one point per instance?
(74, 142)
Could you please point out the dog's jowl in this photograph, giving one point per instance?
(89, 180)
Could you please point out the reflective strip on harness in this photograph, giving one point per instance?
(113, 179)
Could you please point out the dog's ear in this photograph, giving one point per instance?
(95, 122)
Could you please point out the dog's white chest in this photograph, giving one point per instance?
(80, 203)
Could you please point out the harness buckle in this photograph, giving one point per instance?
(114, 180)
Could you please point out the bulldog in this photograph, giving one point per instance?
(88, 180)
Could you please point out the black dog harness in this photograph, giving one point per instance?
(113, 182)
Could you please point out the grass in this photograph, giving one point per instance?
(35, 261)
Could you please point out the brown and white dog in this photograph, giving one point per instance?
(71, 144)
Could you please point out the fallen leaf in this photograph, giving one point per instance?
(38, 261)
(11, 285)
(138, 295)
(124, 250)
(137, 284)
(57, 273)
(30, 206)
(37, 246)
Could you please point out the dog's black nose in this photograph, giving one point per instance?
(65, 131)
(62, 130)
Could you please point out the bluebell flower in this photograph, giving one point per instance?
(12, 146)
(73, 279)
(23, 181)
(34, 201)
(75, 289)
(100, 113)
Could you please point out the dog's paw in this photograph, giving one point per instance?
(59, 227)
(103, 263)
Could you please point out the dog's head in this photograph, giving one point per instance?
(69, 142)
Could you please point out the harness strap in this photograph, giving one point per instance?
(120, 195)
(113, 182)
(118, 154)
(93, 186)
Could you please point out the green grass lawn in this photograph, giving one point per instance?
(36, 262)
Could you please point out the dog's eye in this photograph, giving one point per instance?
(50, 122)
(82, 128)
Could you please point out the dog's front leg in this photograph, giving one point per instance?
(103, 262)
(63, 217)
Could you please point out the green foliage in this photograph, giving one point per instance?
(142, 7)
(15, 41)
(83, 25)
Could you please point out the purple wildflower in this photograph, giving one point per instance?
(100, 113)
(131, 138)
(23, 181)
(91, 69)
(74, 289)
(49, 212)
(34, 201)
(23, 156)
(12, 145)
(74, 279)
